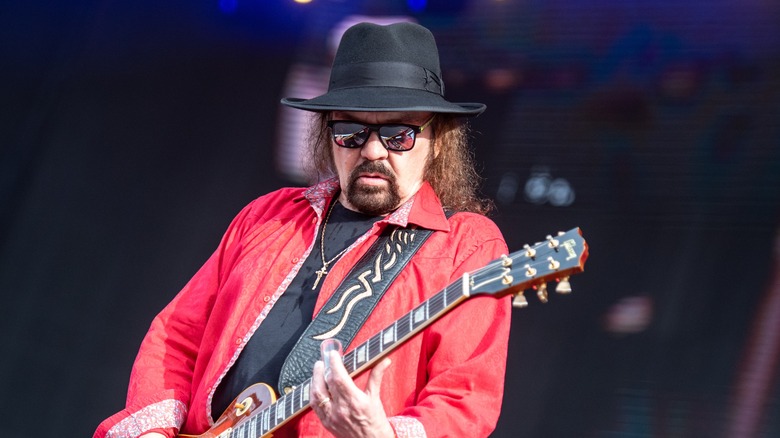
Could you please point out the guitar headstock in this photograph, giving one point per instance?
(533, 267)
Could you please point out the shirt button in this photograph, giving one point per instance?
(295, 260)
(238, 341)
(266, 298)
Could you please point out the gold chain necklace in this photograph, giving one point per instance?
(324, 270)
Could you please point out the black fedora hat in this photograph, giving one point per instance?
(386, 68)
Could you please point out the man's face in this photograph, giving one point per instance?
(374, 180)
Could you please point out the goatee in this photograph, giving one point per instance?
(371, 199)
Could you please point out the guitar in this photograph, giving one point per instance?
(256, 412)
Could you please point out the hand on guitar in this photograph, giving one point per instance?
(344, 409)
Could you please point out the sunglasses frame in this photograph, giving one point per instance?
(375, 128)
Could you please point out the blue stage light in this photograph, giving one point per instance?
(228, 6)
(417, 5)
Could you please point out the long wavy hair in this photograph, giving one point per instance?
(452, 173)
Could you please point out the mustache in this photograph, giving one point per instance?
(371, 167)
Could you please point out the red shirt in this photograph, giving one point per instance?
(446, 381)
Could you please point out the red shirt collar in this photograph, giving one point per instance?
(423, 210)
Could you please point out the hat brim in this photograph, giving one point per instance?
(374, 99)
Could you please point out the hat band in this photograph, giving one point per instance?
(385, 74)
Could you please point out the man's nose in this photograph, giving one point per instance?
(373, 149)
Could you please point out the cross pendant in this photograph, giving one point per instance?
(320, 274)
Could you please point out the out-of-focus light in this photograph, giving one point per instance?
(507, 188)
(541, 187)
(228, 6)
(537, 186)
(302, 1)
(629, 315)
(501, 79)
(417, 5)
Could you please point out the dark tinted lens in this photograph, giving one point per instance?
(397, 137)
(350, 135)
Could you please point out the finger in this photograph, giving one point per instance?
(318, 389)
(336, 366)
(319, 397)
(339, 382)
(375, 377)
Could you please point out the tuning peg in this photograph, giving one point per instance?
(529, 252)
(519, 300)
(506, 261)
(541, 292)
(563, 286)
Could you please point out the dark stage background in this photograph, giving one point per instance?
(132, 132)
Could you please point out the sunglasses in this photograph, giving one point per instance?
(397, 137)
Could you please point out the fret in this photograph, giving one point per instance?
(253, 427)
(402, 327)
(452, 294)
(259, 430)
(295, 399)
(361, 354)
(374, 346)
(279, 413)
(349, 361)
(305, 390)
(388, 336)
(266, 420)
(419, 315)
(436, 305)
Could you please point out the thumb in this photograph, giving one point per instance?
(375, 378)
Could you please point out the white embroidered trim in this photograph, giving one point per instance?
(407, 427)
(317, 195)
(160, 415)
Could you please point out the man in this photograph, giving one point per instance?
(396, 151)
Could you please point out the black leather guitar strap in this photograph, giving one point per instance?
(355, 298)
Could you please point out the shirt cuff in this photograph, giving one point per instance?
(166, 414)
(407, 427)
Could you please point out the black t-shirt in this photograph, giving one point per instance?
(262, 358)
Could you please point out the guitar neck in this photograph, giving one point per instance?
(361, 357)
(376, 347)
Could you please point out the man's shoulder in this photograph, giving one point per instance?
(279, 196)
(282, 201)
(471, 230)
(465, 221)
